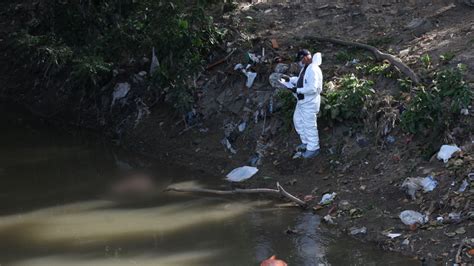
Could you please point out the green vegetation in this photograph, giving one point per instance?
(438, 108)
(446, 57)
(348, 99)
(288, 103)
(426, 60)
(83, 41)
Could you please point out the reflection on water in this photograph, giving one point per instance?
(55, 210)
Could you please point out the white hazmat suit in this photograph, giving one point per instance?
(307, 109)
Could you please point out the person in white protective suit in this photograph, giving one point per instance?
(308, 89)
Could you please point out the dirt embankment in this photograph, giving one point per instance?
(364, 167)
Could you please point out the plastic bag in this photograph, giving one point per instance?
(446, 152)
(242, 173)
(410, 217)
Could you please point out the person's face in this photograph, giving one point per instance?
(306, 60)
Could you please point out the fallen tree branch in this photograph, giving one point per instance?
(279, 191)
(379, 56)
(218, 62)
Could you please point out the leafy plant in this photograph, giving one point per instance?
(348, 99)
(446, 57)
(88, 38)
(451, 85)
(423, 112)
(89, 70)
(426, 60)
(288, 103)
(437, 109)
(44, 53)
(405, 84)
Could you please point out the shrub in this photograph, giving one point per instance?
(438, 108)
(348, 99)
(93, 36)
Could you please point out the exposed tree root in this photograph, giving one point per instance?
(379, 56)
(279, 191)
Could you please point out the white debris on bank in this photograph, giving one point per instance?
(242, 173)
(446, 152)
(120, 91)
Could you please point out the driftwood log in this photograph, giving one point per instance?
(379, 56)
(280, 191)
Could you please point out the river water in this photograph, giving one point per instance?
(56, 209)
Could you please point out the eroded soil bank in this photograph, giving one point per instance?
(364, 167)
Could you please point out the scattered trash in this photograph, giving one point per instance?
(238, 67)
(390, 139)
(242, 173)
(393, 235)
(454, 217)
(358, 231)
(242, 126)
(281, 68)
(465, 111)
(227, 144)
(120, 92)
(353, 62)
(329, 219)
(446, 152)
(439, 219)
(328, 198)
(410, 217)
(250, 78)
(254, 58)
(155, 64)
(412, 185)
(406, 242)
(463, 186)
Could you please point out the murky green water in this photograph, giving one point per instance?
(55, 210)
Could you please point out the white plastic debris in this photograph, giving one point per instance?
(412, 185)
(358, 231)
(242, 173)
(250, 78)
(446, 152)
(254, 58)
(155, 64)
(238, 67)
(410, 217)
(329, 219)
(463, 186)
(242, 126)
(228, 145)
(393, 235)
(465, 111)
(120, 91)
(328, 198)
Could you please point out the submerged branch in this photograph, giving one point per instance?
(279, 191)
